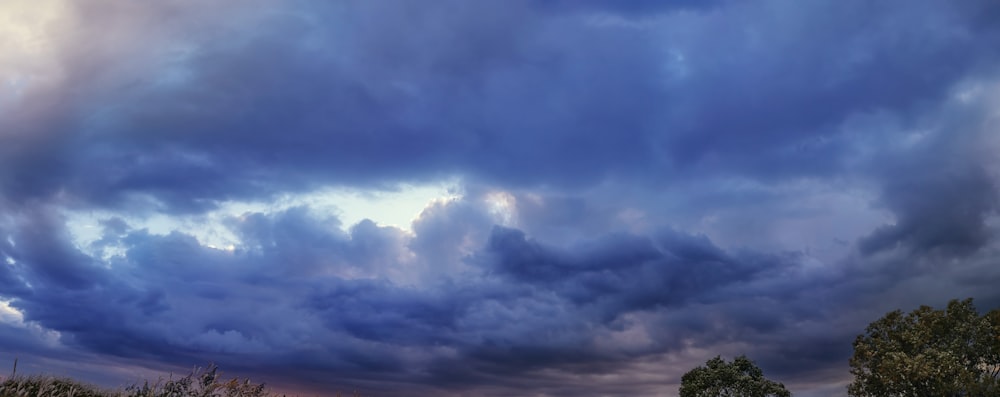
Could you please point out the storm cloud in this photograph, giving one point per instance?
(633, 188)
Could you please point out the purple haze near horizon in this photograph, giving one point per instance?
(635, 187)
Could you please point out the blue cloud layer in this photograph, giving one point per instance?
(301, 292)
(644, 186)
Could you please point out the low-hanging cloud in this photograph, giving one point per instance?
(643, 186)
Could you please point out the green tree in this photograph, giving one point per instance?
(740, 378)
(950, 352)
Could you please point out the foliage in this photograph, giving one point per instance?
(199, 383)
(741, 378)
(951, 352)
(41, 386)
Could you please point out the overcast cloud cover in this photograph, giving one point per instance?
(627, 188)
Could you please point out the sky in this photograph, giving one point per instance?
(488, 198)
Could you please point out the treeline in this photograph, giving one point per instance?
(200, 382)
(953, 352)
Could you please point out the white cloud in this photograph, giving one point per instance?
(396, 208)
(11, 316)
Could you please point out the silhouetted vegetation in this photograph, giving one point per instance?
(205, 382)
(718, 378)
(201, 382)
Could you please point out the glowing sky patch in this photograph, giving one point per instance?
(28, 46)
(396, 208)
(10, 315)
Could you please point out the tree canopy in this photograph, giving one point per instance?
(950, 352)
(740, 378)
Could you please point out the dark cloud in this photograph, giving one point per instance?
(290, 288)
(783, 102)
(625, 272)
(636, 8)
(38, 245)
(517, 97)
(939, 209)
(644, 185)
(940, 187)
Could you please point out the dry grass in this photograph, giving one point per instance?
(199, 383)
